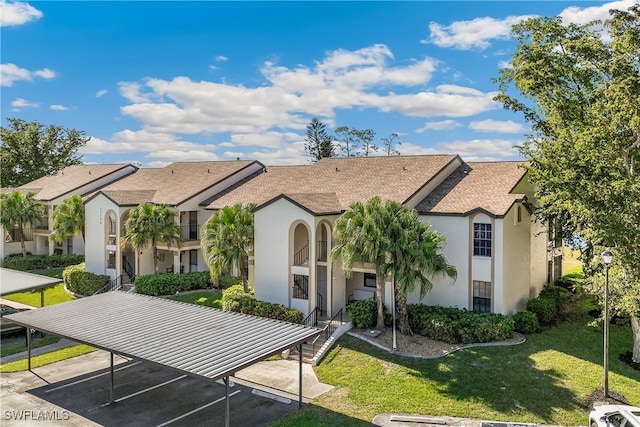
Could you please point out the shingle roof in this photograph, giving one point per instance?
(476, 185)
(349, 179)
(68, 180)
(172, 184)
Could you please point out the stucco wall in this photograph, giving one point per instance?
(95, 214)
(516, 261)
(538, 267)
(272, 238)
(445, 291)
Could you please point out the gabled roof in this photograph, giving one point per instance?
(173, 184)
(484, 186)
(69, 180)
(342, 181)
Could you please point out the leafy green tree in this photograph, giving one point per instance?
(580, 92)
(30, 150)
(364, 138)
(390, 143)
(392, 237)
(226, 238)
(150, 224)
(17, 211)
(318, 143)
(68, 219)
(347, 141)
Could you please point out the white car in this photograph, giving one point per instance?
(615, 416)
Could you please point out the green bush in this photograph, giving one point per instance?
(559, 295)
(545, 309)
(169, 283)
(235, 299)
(81, 282)
(225, 282)
(41, 262)
(526, 322)
(363, 313)
(453, 325)
(569, 282)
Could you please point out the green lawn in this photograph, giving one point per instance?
(545, 380)
(20, 345)
(211, 298)
(47, 358)
(53, 295)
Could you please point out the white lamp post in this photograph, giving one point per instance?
(607, 257)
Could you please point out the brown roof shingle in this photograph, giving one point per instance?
(172, 184)
(348, 179)
(476, 185)
(68, 180)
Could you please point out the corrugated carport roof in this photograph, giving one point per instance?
(197, 340)
(12, 281)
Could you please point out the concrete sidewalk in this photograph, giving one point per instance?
(63, 343)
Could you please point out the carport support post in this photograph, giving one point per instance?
(226, 401)
(27, 331)
(300, 376)
(111, 400)
(42, 297)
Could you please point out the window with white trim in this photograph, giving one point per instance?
(481, 239)
(481, 296)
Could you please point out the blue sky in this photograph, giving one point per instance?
(156, 82)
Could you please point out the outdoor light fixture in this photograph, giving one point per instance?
(607, 257)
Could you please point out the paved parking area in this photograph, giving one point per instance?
(146, 395)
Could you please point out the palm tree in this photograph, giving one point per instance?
(361, 236)
(17, 211)
(418, 256)
(397, 242)
(226, 237)
(150, 224)
(68, 219)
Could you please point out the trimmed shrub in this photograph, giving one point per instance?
(559, 295)
(81, 282)
(235, 299)
(225, 282)
(526, 322)
(545, 309)
(363, 313)
(569, 282)
(455, 326)
(41, 262)
(169, 283)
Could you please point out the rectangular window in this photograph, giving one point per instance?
(369, 280)
(482, 239)
(481, 296)
(111, 260)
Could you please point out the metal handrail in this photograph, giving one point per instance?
(312, 318)
(302, 255)
(128, 268)
(322, 250)
(113, 285)
(320, 303)
(301, 285)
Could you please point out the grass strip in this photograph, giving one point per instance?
(9, 349)
(47, 358)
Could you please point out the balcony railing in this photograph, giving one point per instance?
(112, 228)
(190, 232)
(14, 235)
(321, 250)
(43, 224)
(300, 287)
(302, 256)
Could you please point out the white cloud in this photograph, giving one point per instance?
(17, 13)
(482, 149)
(583, 15)
(221, 58)
(439, 125)
(10, 73)
(19, 103)
(164, 157)
(290, 154)
(58, 107)
(213, 67)
(497, 126)
(101, 93)
(272, 139)
(128, 141)
(131, 92)
(474, 34)
(504, 64)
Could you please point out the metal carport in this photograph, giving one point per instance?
(189, 338)
(12, 281)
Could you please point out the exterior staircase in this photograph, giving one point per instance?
(315, 349)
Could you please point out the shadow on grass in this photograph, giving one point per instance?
(505, 379)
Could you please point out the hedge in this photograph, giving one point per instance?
(81, 282)
(526, 322)
(236, 300)
(41, 262)
(170, 283)
(549, 304)
(456, 326)
(363, 313)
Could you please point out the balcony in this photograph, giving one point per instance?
(190, 233)
(15, 235)
(321, 250)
